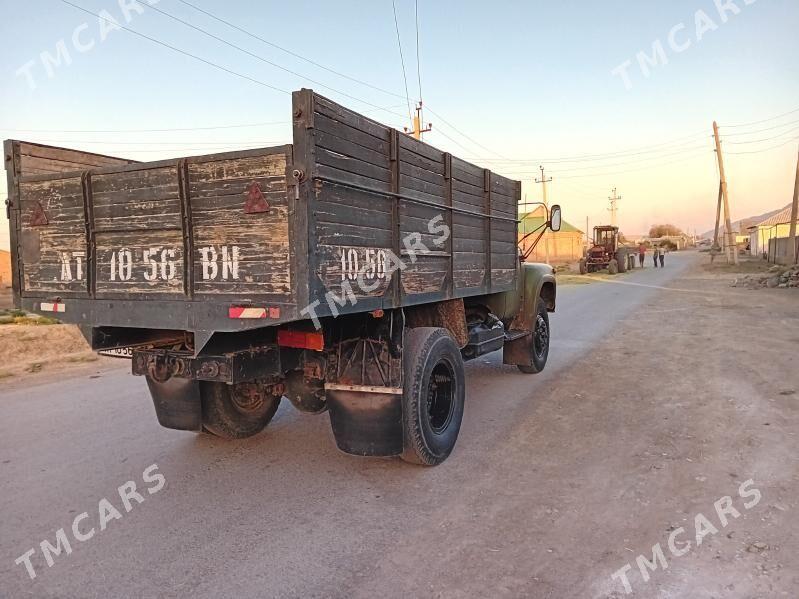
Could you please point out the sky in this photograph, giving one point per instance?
(615, 94)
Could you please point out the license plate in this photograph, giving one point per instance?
(118, 352)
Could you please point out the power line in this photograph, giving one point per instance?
(744, 133)
(160, 143)
(688, 151)
(176, 49)
(289, 52)
(402, 60)
(757, 141)
(438, 131)
(242, 126)
(651, 166)
(205, 150)
(461, 133)
(774, 118)
(785, 143)
(264, 60)
(653, 149)
(418, 59)
(165, 130)
(344, 75)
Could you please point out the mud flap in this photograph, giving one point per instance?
(366, 423)
(519, 351)
(177, 403)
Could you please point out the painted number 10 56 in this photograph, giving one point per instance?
(158, 263)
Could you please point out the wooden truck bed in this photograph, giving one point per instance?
(188, 244)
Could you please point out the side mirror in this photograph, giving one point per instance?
(554, 218)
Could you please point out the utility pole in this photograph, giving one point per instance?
(613, 208)
(730, 242)
(417, 124)
(715, 247)
(543, 181)
(793, 258)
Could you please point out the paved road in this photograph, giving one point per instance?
(282, 514)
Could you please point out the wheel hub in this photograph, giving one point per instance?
(440, 397)
(248, 397)
(541, 336)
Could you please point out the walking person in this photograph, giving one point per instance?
(662, 254)
(641, 254)
(655, 255)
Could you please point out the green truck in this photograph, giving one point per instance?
(351, 272)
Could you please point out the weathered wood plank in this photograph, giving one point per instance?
(340, 195)
(356, 136)
(435, 192)
(351, 149)
(352, 165)
(352, 235)
(336, 112)
(432, 178)
(268, 165)
(409, 144)
(351, 178)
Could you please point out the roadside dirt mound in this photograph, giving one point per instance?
(22, 345)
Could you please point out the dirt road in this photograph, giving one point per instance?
(666, 391)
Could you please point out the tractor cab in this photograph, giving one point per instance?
(605, 252)
(607, 239)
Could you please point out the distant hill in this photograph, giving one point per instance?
(744, 223)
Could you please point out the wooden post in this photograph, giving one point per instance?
(543, 181)
(792, 252)
(716, 233)
(731, 246)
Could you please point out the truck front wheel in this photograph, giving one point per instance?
(236, 411)
(540, 342)
(433, 395)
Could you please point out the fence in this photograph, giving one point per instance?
(778, 249)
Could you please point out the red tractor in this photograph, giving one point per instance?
(605, 252)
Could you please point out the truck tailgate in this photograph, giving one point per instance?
(189, 230)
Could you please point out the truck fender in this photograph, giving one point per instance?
(536, 281)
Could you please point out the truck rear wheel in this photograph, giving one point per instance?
(433, 395)
(236, 411)
(540, 344)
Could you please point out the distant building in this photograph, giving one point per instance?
(564, 246)
(774, 226)
(5, 268)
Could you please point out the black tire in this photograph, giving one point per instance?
(433, 395)
(236, 411)
(540, 345)
(621, 261)
(583, 267)
(613, 267)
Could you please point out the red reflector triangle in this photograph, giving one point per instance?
(256, 202)
(39, 217)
